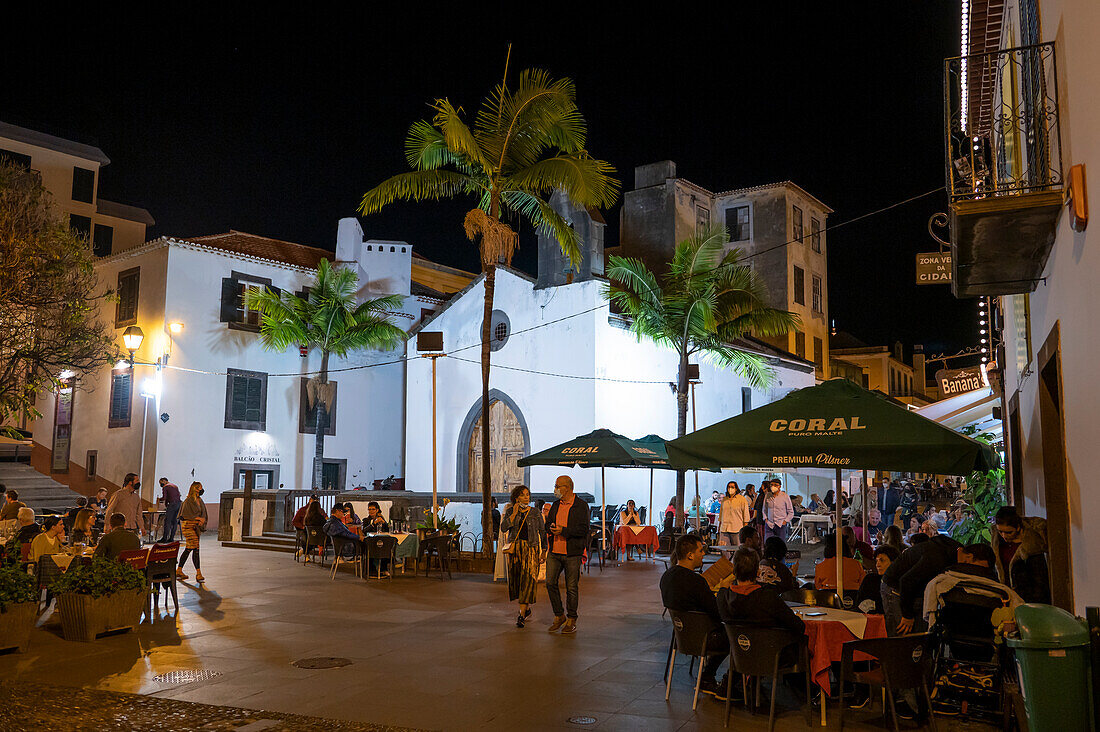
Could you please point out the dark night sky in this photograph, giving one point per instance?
(276, 125)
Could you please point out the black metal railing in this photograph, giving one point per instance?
(1001, 119)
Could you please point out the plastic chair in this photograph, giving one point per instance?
(904, 662)
(346, 550)
(381, 547)
(161, 568)
(136, 558)
(814, 598)
(316, 539)
(593, 549)
(438, 546)
(299, 544)
(690, 633)
(755, 653)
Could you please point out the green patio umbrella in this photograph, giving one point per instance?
(604, 449)
(835, 424)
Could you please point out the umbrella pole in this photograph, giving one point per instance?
(603, 509)
(866, 490)
(651, 497)
(698, 504)
(839, 539)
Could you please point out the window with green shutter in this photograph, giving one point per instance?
(121, 397)
(245, 400)
(127, 306)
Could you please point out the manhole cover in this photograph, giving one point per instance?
(322, 662)
(186, 677)
(581, 720)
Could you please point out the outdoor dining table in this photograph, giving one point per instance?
(407, 545)
(645, 536)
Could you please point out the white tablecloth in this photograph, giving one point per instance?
(853, 621)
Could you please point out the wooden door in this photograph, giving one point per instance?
(506, 446)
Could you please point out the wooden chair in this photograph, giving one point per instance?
(755, 653)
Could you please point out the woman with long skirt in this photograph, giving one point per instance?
(192, 523)
(524, 535)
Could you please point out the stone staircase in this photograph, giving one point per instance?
(272, 541)
(38, 491)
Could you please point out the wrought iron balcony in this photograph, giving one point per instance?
(1004, 168)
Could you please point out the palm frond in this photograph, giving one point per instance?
(584, 179)
(425, 148)
(456, 135)
(418, 185)
(699, 254)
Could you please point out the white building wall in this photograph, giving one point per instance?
(1068, 298)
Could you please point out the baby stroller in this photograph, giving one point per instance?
(970, 666)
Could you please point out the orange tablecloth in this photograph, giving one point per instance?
(626, 536)
(827, 638)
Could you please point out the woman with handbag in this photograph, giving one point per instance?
(524, 546)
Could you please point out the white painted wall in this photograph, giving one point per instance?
(1068, 297)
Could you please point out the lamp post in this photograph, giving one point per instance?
(432, 344)
(132, 338)
(693, 379)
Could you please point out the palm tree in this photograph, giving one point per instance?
(328, 319)
(707, 300)
(525, 143)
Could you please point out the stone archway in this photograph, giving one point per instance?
(509, 440)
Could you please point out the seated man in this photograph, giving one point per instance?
(749, 603)
(335, 526)
(375, 523)
(825, 574)
(629, 516)
(750, 537)
(683, 589)
(119, 539)
(51, 540)
(870, 590)
(25, 534)
(12, 504)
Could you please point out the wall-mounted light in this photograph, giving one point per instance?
(132, 338)
(175, 328)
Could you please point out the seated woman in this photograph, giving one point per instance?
(350, 519)
(629, 516)
(870, 590)
(83, 528)
(825, 574)
(796, 503)
(773, 567)
(315, 515)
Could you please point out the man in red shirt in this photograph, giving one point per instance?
(567, 534)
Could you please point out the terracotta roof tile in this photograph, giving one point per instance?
(264, 247)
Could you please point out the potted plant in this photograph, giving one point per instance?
(97, 597)
(18, 607)
(442, 524)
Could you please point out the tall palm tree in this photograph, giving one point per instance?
(330, 320)
(707, 300)
(524, 143)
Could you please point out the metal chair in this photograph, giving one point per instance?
(815, 598)
(690, 634)
(161, 568)
(438, 546)
(594, 534)
(299, 544)
(346, 550)
(904, 662)
(316, 538)
(755, 652)
(380, 548)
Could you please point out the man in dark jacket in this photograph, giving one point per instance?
(904, 581)
(567, 536)
(749, 603)
(1020, 548)
(891, 501)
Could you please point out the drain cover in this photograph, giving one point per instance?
(186, 677)
(322, 662)
(581, 720)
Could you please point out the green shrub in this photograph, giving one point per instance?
(15, 587)
(101, 577)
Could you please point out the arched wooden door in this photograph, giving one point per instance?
(506, 446)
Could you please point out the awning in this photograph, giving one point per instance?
(969, 409)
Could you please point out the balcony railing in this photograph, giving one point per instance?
(1002, 133)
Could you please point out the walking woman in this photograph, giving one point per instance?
(525, 532)
(733, 515)
(192, 523)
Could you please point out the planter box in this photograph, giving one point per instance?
(83, 617)
(16, 624)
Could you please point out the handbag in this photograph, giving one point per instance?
(510, 546)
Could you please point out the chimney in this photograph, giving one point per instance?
(349, 238)
(919, 378)
(654, 174)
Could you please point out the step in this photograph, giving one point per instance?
(257, 545)
(281, 534)
(267, 539)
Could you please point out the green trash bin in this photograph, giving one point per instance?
(1052, 657)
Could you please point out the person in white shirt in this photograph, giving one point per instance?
(732, 516)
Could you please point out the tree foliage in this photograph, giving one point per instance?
(985, 495)
(49, 308)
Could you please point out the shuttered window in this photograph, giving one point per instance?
(233, 310)
(815, 235)
(818, 295)
(127, 305)
(121, 398)
(796, 215)
(245, 400)
(819, 353)
(800, 344)
(799, 285)
(737, 222)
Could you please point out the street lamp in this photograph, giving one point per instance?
(132, 338)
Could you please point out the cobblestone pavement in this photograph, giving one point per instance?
(45, 707)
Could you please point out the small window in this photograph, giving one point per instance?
(307, 418)
(500, 328)
(702, 217)
(80, 224)
(737, 222)
(7, 156)
(819, 353)
(818, 296)
(122, 388)
(83, 185)
(90, 464)
(370, 248)
(866, 379)
(815, 235)
(245, 400)
(234, 290)
(799, 285)
(797, 219)
(101, 242)
(127, 305)
(746, 399)
(402, 250)
(800, 344)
